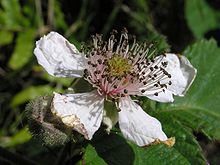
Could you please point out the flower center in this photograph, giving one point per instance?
(118, 69)
(118, 66)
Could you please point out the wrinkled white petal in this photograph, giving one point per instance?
(182, 72)
(138, 126)
(164, 97)
(83, 112)
(59, 57)
(189, 72)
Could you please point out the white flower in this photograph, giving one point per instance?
(116, 71)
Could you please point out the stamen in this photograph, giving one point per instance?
(118, 69)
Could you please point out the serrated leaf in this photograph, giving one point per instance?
(158, 154)
(30, 93)
(23, 50)
(186, 144)
(114, 150)
(200, 108)
(200, 17)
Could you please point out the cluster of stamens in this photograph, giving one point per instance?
(117, 69)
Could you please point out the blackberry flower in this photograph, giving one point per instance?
(117, 70)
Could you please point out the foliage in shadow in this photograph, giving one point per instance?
(113, 148)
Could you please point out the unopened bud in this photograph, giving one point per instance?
(43, 125)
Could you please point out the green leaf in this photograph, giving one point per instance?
(5, 37)
(12, 16)
(30, 93)
(186, 143)
(200, 17)
(114, 150)
(23, 49)
(200, 108)
(158, 154)
(60, 80)
(19, 138)
(91, 157)
(59, 15)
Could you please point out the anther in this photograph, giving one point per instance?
(156, 94)
(156, 67)
(164, 64)
(86, 71)
(109, 80)
(105, 62)
(97, 72)
(99, 61)
(142, 91)
(125, 91)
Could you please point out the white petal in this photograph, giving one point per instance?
(182, 72)
(59, 57)
(83, 112)
(166, 96)
(138, 126)
(189, 72)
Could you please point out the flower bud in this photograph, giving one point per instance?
(43, 125)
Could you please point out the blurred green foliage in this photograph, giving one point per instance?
(192, 118)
